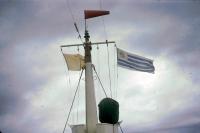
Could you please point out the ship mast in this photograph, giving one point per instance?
(91, 112)
(92, 125)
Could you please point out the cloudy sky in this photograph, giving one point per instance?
(36, 89)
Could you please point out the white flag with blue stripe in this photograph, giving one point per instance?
(134, 62)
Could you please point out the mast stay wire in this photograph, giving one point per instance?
(73, 101)
(98, 68)
(104, 26)
(69, 79)
(114, 73)
(106, 37)
(73, 18)
(121, 128)
(117, 71)
(99, 81)
(109, 69)
(78, 97)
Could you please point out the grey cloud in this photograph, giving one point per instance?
(174, 32)
(40, 21)
(27, 26)
(193, 128)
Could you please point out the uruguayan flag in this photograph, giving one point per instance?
(134, 62)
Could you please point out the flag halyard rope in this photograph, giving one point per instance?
(109, 70)
(116, 70)
(106, 37)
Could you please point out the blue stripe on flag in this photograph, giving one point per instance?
(140, 63)
(131, 67)
(135, 64)
(140, 58)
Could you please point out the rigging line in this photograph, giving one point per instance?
(117, 70)
(78, 97)
(67, 68)
(98, 60)
(104, 26)
(121, 128)
(114, 61)
(73, 101)
(70, 10)
(77, 30)
(73, 18)
(109, 68)
(106, 37)
(78, 104)
(100, 81)
(69, 79)
(100, 4)
(98, 68)
(85, 22)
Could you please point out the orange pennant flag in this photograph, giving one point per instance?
(95, 13)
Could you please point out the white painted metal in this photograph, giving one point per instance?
(78, 128)
(91, 111)
(107, 128)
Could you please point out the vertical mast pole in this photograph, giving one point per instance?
(91, 112)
